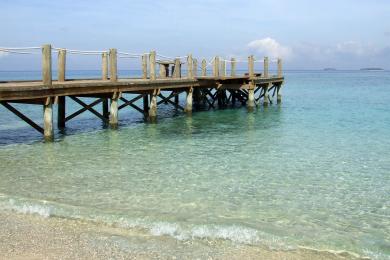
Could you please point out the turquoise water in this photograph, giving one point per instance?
(312, 172)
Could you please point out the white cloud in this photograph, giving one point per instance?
(271, 48)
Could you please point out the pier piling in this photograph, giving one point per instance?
(114, 110)
(61, 65)
(46, 65)
(104, 66)
(113, 65)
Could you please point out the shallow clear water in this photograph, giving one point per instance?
(313, 172)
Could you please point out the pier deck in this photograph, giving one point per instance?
(202, 92)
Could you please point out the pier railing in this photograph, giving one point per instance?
(169, 67)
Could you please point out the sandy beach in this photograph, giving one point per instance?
(34, 237)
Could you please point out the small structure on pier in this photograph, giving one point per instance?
(202, 91)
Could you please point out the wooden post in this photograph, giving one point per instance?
(105, 112)
(61, 115)
(266, 95)
(279, 93)
(177, 70)
(204, 68)
(188, 107)
(104, 66)
(190, 65)
(153, 106)
(146, 106)
(233, 67)
(251, 66)
(48, 119)
(46, 65)
(195, 67)
(266, 67)
(113, 65)
(144, 66)
(163, 71)
(280, 68)
(61, 65)
(223, 68)
(216, 67)
(114, 110)
(251, 96)
(152, 64)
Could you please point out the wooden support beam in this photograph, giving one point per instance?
(86, 107)
(61, 65)
(105, 110)
(204, 68)
(251, 96)
(46, 65)
(61, 113)
(48, 131)
(279, 94)
(104, 66)
(233, 67)
(22, 116)
(113, 65)
(188, 107)
(152, 64)
(266, 67)
(266, 95)
(131, 103)
(146, 106)
(251, 66)
(153, 106)
(144, 66)
(114, 110)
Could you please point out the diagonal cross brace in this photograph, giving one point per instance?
(85, 108)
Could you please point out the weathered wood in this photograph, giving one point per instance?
(144, 66)
(280, 68)
(190, 66)
(177, 68)
(104, 66)
(105, 110)
(251, 96)
(216, 67)
(61, 65)
(152, 64)
(163, 70)
(279, 94)
(146, 106)
(153, 106)
(188, 107)
(114, 110)
(86, 107)
(46, 65)
(266, 95)
(195, 67)
(233, 67)
(251, 66)
(23, 117)
(61, 115)
(223, 68)
(48, 120)
(113, 65)
(204, 68)
(266, 67)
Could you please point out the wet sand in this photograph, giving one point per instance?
(35, 237)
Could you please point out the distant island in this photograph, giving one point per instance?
(372, 69)
(330, 69)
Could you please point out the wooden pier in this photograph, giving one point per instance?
(203, 91)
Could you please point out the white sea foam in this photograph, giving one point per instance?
(28, 208)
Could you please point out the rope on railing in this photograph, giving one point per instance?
(19, 50)
(80, 52)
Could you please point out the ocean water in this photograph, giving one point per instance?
(311, 172)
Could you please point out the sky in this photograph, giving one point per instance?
(306, 34)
